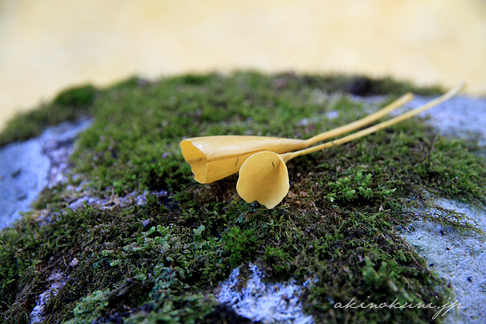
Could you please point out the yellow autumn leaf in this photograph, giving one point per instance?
(215, 157)
(263, 178)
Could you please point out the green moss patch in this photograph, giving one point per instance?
(161, 262)
(70, 104)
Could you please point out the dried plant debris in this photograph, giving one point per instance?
(161, 261)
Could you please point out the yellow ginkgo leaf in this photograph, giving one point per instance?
(215, 157)
(264, 178)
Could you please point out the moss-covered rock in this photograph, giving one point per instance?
(160, 262)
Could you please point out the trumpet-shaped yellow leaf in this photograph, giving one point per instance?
(215, 157)
(264, 178)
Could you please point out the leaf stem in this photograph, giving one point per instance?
(361, 122)
(370, 130)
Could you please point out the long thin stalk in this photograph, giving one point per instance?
(361, 122)
(451, 93)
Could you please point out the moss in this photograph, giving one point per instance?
(70, 104)
(161, 261)
(83, 96)
(240, 245)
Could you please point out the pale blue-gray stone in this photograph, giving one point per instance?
(459, 258)
(26, 168)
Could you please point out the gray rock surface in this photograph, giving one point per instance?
(26, 168)
(23, 175)
(459, 258)
(460, 116)
(56, 281)
(118, 201)
(267, 303)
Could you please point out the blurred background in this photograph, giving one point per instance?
(48, 45)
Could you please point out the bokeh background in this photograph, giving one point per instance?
(48, 45)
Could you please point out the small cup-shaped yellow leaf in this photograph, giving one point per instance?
(264, 178)
(215, 157)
